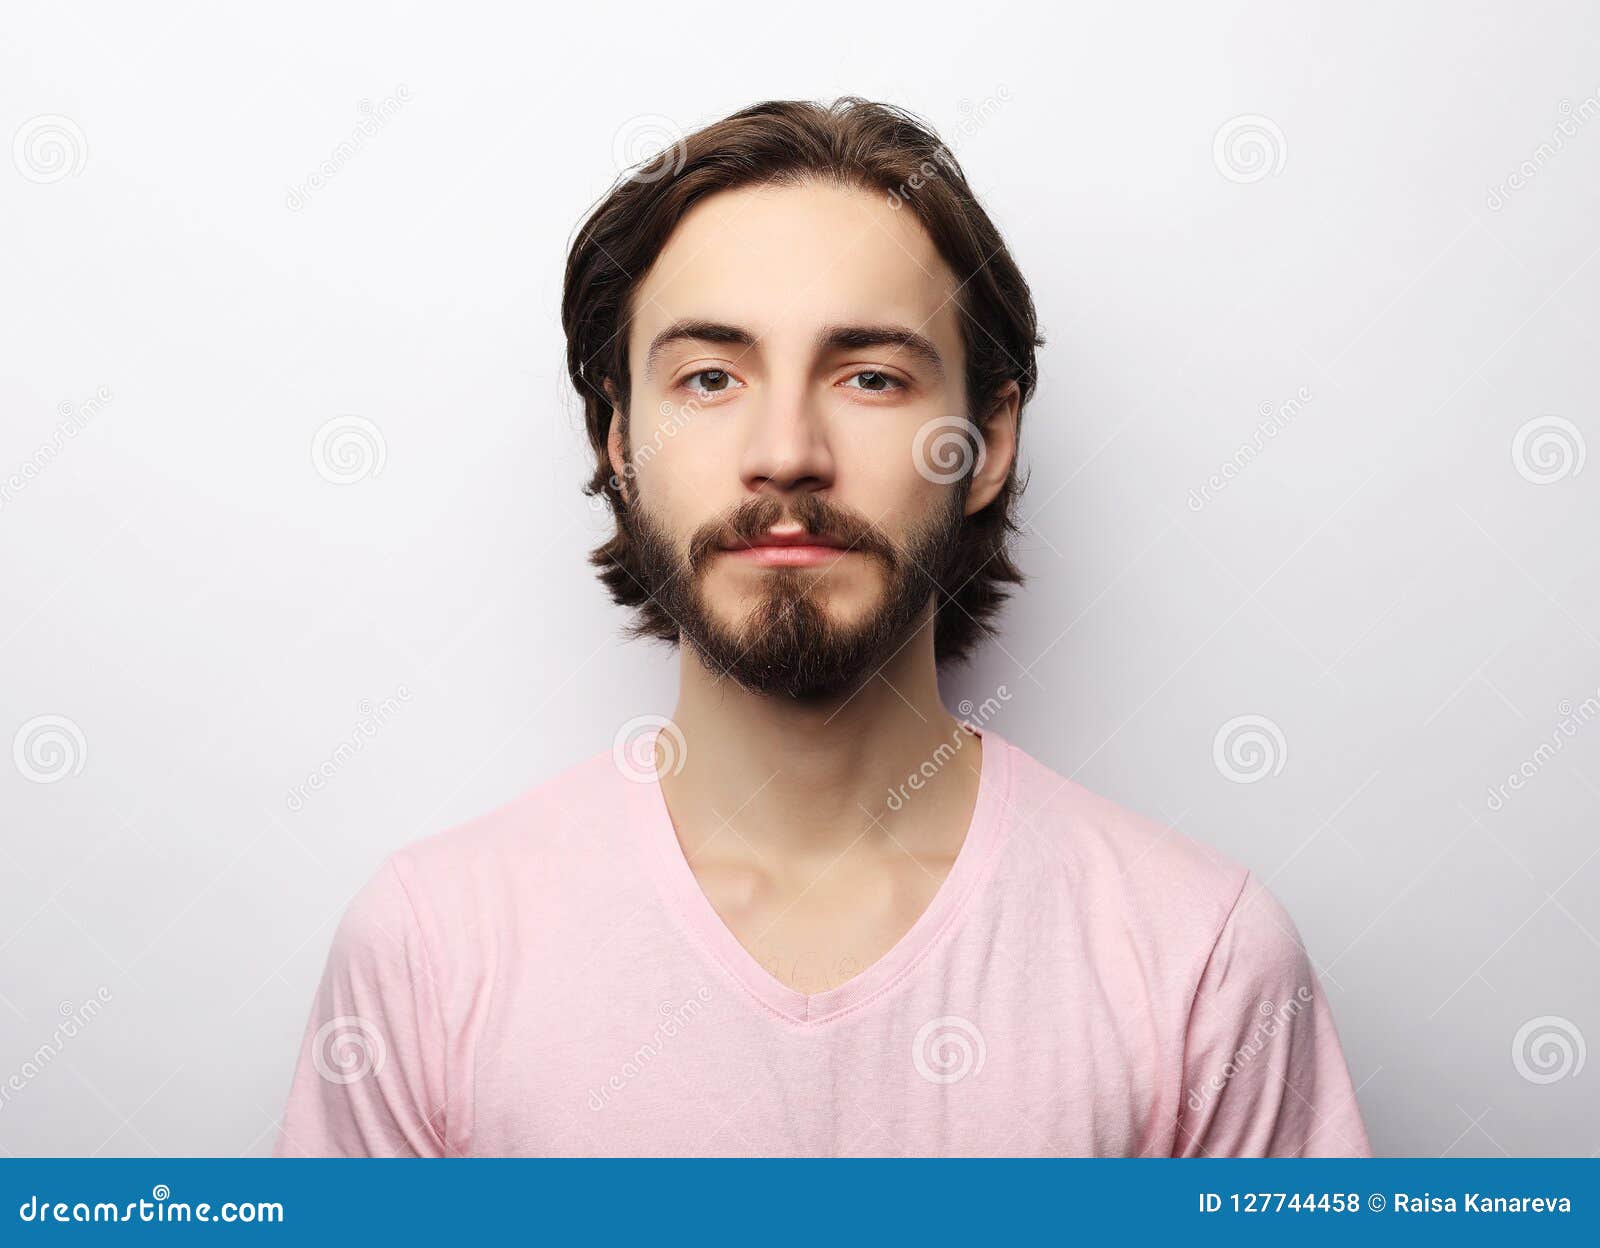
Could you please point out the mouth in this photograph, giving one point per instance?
(786, 549)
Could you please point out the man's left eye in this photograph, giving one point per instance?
(875, 381)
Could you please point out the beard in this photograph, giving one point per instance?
(786, 642)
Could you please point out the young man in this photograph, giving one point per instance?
(811, 914)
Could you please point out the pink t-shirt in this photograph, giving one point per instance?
(550, 980)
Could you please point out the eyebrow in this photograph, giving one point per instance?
(845, 337)
(695, 331)
(832, 337)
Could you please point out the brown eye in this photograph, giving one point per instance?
(709, 381)
(874, 381)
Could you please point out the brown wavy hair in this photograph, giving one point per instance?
(855, 143)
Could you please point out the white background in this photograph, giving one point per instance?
(1405, 599)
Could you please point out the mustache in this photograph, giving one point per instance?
(821, 518)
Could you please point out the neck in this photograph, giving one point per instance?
(814, 777)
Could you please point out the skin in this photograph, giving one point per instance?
(781, 806)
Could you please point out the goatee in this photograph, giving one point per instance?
(787, 643)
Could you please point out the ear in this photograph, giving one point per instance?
(999, 433)
(616, 449)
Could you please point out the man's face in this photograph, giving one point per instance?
(797, 387)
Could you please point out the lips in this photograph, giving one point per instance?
(786, 550)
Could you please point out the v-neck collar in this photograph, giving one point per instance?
(650, 820)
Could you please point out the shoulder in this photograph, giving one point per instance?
(510, 859)
(1114, 851)
(1134, 892)
(1155, 886)
(561, 812)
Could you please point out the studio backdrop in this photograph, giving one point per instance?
(293, 548)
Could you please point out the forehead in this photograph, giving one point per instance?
(782, 261)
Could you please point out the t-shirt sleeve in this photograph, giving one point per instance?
(1264, 1075)
(369, 1080)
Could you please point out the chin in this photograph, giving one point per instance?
(744, 615)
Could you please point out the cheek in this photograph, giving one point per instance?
(679, 478)
(881, 482)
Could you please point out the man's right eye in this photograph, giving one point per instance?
(709, 381)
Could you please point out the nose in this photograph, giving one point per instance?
(786, 448)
